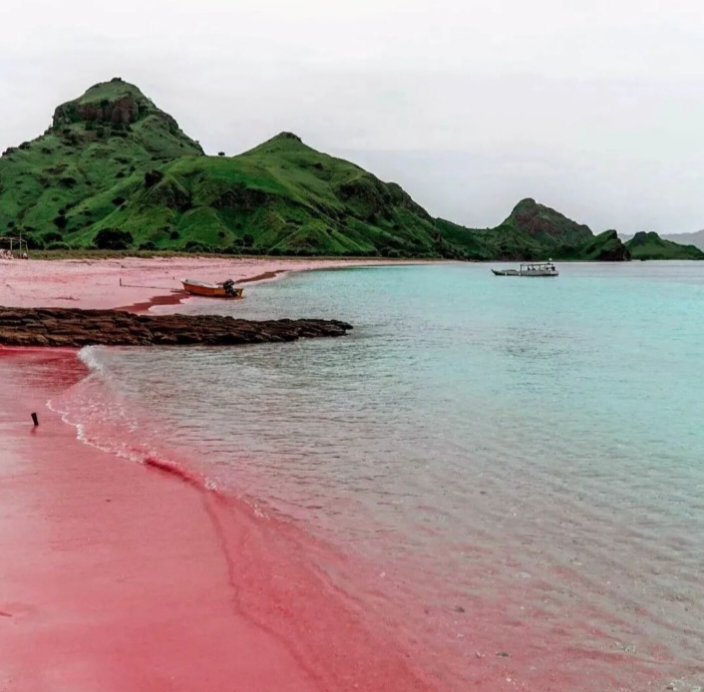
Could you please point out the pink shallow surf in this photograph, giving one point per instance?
(117, 576)
(479, 626)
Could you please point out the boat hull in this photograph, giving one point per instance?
(209, 290)
(542, 273)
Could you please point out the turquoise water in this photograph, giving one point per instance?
(507, 466)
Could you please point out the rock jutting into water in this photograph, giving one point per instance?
(77, 328)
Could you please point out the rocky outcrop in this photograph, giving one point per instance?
(123, 111)
(547, 225)
(608, 247)
(76, 328)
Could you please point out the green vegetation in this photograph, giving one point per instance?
(696, 239)
(605, 247)
(96, 143)
(650, 246)
(536, 232)
(281, 198)
(114, 173)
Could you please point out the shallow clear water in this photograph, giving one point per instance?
(512, 469)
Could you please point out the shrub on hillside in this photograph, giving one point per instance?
(151, 178)
(113, 239)
(196, 246)
(52, 237)
(57, 246)
(148, 246)
(34, 242)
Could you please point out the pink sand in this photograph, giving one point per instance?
(120, 577)
(96, 283)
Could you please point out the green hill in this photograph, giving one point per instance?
(605, 247)
(280, 198)
(113, 171)
(650, 246)
(545, 226)
(536, 232)
(109, 134)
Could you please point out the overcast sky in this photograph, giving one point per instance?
(595, 107)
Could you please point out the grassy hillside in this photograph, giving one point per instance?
(536, 232)
(109, 134)
(545, 226)
(605, 247)
(650, 246)
(114, 172)
(280, 198)
(696, 239)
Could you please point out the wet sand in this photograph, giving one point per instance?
(112, 577)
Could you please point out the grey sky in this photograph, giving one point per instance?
(594, 107)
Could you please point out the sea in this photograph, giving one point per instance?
(491, 483)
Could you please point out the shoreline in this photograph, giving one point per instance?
(137, 284)
(136, 576)
(133, 576)
(96, 593)
(176, 297)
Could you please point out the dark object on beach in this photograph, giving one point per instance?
(70, 328)
(35, 418)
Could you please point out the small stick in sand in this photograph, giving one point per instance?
(35, 418)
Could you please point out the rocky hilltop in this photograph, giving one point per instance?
(77, 328)
(546, 225)
(115, 172)
(117, 104)
(93, 145)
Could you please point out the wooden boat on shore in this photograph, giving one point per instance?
(530, 269)
(226, 289)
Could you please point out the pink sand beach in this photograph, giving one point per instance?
(105, 284)
(117, 576)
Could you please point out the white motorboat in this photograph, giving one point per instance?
(530, 269)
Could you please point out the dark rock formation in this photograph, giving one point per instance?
(547, 225)
(124, 111)
(613, 250)
(77, 328)
(605, 247)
